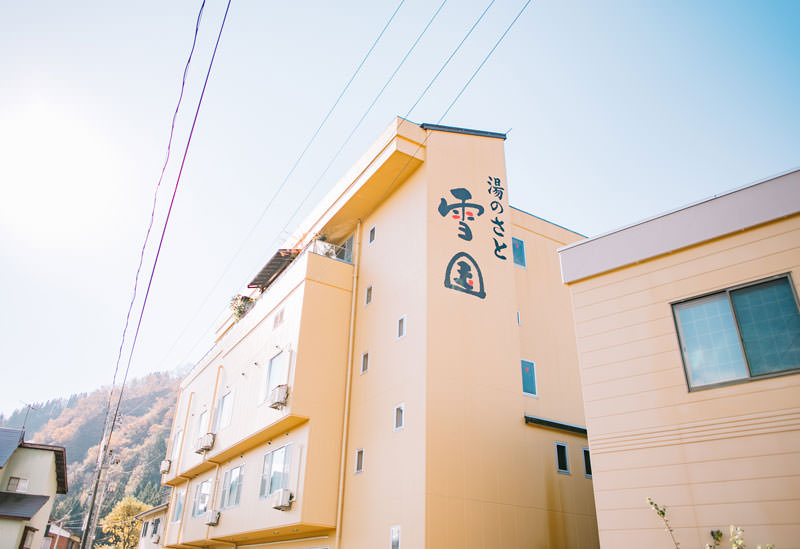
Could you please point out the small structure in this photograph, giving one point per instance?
(58, 537)
(30, 476)
(153, 521)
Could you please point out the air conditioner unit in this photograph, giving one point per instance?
(212, 518)
(205, 443)
(155, 538)
(281, 499)
(164, 467)
(278, 396)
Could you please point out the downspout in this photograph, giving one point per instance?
(348, 380)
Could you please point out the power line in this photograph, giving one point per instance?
(104, 448)
(282, 185)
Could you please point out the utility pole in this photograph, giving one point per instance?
(90, 522)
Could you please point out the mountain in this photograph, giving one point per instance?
(138, 444)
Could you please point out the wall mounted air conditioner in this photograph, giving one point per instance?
(281, 499)
(205, 443)
(278, 396)
(164, 467)
(212, 518)
(155, 538)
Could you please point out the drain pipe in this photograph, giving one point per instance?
(348, 380)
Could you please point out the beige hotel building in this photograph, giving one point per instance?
(406, 378)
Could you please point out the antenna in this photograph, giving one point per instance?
(30, 407)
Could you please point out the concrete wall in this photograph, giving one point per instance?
(714, 457)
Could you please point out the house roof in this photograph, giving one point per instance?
(10, 439)
(152, 511)
(60, 455)
(273, 268)
(17, 506)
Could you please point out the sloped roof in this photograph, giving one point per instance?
(14, 505)
(10, 439)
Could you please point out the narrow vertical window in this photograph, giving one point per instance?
(368, 295)
(394, 537)
(518, 319)
(529, 378)
(371, 238)
(399, 416)
(145, 527)
(365, 362)
(401, 327)
(156, 524)
(231, 487)
(202, 425)
(277, 371)
(176, 445)
(562, 461)
(360, 460)
(177, 510)
(224, 410)
(275, 474)
(587, 463)
(202, 495)
(519, 251)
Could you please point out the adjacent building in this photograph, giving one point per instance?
(58, 537)
(402, 373)
(688, 337)
(30, 477)
(153, 521)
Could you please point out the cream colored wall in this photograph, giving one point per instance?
(391, 489)
(727, 455)
(148, 542)
(39, 467)
(491, 480)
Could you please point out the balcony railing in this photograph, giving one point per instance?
(342, 253)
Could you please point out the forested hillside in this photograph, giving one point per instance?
(139, 441)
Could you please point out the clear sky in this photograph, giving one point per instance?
(616, 111)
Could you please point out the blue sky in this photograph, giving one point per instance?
(617, 111)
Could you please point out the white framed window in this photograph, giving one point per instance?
(156, 524)
(359, 460)
(740, 333)
(202, 426)
(394, 537)
(278, 320)
(145, 528)
(277, 371)
(587, 463)
(399, 416)
(275, 473)
(365, 362)
(224, 411)
(401, 327)
(177, 508)
(232, 487)
(562, 459)
(529, 378)
(371, 237)
(368, 295)
(176, 445)
(17, 484)
(202, 497)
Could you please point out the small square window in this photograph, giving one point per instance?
(587, 463)
(399, 417)
(368, 295)
(562, 460)
(518, 248)
(529, 378)
(17, 484)
(401, 327)
(365, 362)
(394, 537)
(360, 460)
(371, 238)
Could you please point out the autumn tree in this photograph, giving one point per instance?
(120, 527)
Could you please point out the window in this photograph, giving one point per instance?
(401, 327)
(156, 524)
(371, 238)
(394, 537)
(276, 373)
(176, 445)
(278, 320)
(17, 484)
(562, 461)
(740, 333)
(202, 425)
(518, 319)
(224, 410)
(518, 247)
(528, 378)
(27, 537)
(368, 295)
(275, 474)
(145, 526)
(587, 463)
(399, 416)
(365, 362)
(360, 460)
(202, 495)
(178, 508)
(231, 487)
